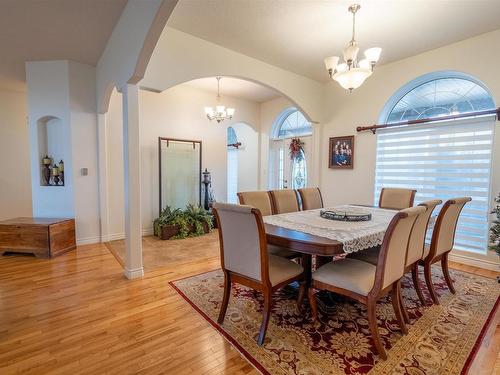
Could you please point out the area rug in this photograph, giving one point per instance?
(442, 339)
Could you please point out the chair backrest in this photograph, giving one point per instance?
(396, 199)
(311, 198)
(242, 240)
(284, 201)
(257, 199)
(443, 235)
(392, 256)
(417, 237)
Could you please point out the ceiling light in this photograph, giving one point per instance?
(220, 112)
(351, 74)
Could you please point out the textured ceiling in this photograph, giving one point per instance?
(33, 30)
(298, 34)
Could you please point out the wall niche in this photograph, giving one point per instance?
(51, 151)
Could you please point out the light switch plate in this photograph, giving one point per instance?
(84, 171)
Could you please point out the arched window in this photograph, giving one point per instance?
(232, 166)
(444, 159)
(284, 171)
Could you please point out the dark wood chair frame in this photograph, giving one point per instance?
(433, 258)
(264, 286)
(273, 201)
(302, 198)
(374, 295)
(412, 198)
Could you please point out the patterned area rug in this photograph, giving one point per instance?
(441, 340)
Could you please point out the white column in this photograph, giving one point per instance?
(102, 138)
(132, 158)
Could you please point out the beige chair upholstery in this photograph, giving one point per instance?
(396, 199)
(284, 201)
(367, 255)
(394, 259)
(257, 199)
(311, 198)
(446, 225)
(240, 240)
(281, 269)
(349, 274)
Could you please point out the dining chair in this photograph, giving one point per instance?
(284, 201)
(245, 260)
(367, 283)
(416, 250)
(442, 241)
(311, 198)
(262, 201)
(396, 199)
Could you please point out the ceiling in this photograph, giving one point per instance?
(235, 87)
(32, 30)
(297, 35)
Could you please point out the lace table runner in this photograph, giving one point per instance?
(354, 236)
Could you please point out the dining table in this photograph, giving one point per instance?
(310, 234)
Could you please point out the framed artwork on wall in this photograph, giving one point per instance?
(341, 152)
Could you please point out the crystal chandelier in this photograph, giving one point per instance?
(220, 112)
(351, 74)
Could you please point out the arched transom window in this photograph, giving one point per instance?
(441, 97)
(294, 124)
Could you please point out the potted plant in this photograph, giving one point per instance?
(172, 223)
(199, 218)
(495, 230)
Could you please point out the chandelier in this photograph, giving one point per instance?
(220, 112)
(351, 74)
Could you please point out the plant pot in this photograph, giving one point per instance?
(168, 231)
(206, 228)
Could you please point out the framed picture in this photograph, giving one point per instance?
(341, 153)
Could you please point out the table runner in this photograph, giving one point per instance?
(354, 236)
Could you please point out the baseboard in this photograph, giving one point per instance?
(470, 261)
(87, 241)
(121, 236)
(134, 274)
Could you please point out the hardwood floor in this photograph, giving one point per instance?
(78, 314)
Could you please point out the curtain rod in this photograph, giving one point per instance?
(374, 128)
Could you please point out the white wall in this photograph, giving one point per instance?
(15, 181)
(344, 112)
(178, 113)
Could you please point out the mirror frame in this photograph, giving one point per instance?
(160, 139)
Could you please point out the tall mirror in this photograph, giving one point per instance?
(180, 172)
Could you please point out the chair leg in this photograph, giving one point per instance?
(311, 293)
(402, 306)
(397, 304)
(300, 298)
(446, 272)
(428, 281)
(225, 298)
(416, 284)
(268, 304)
(372, 320)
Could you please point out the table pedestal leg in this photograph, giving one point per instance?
(307, 264)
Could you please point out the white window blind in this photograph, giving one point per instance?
(442, 160)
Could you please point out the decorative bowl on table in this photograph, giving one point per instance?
(343, 214)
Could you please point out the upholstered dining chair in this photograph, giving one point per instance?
(262, 201)
(284, 201)
(367, 283)
(311, 198)
(396, 199)
(443, 239)
(245, 260)
(416, 250)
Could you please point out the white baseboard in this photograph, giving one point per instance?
(470, 261)
(87, 241)
(121, 236)
(134, 274)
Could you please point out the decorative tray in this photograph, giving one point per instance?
(351, 214)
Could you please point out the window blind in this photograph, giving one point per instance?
(442, 160)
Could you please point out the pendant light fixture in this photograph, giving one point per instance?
(220, 112)
(351, 74)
